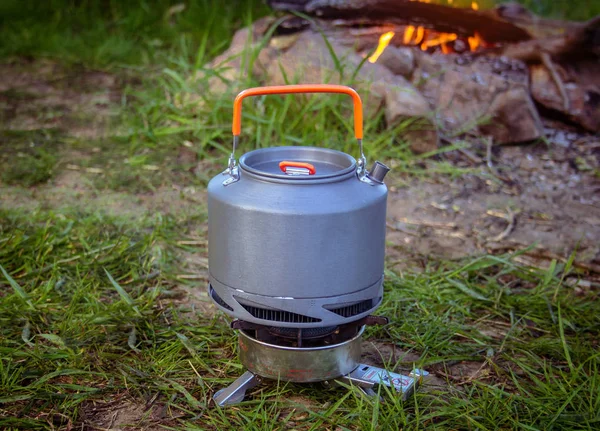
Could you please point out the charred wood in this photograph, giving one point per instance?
(492, 27)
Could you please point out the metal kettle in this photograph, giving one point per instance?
(297, 233)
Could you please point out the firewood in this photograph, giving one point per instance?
(465, 22)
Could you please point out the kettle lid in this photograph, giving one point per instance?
(297, 163)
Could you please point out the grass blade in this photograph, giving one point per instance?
(563, 341)
(26, 334)
(65, 372)
(15, 398)
(17, 288)
(132, 340)
(467, 290)
(123, 293)
(55, 339)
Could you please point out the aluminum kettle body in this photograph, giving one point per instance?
(297, 235)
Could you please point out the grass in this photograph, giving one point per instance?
(94, 314)
(162, 107)
(88, 313)
(113, 34)
(32, 160)
(577, 10)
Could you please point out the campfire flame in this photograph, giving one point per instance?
(384, 41)
(427, 39)
(474, 41)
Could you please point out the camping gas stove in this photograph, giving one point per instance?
(296, 251)
(330, 355)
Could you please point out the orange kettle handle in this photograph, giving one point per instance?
(232, 168)
(306, 88)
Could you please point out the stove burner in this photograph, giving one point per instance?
(306, 337)
(303, 333)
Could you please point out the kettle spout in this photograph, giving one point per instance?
(378, 172)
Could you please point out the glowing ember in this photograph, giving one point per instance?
(384, 41)
(474, 5)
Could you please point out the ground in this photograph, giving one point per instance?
(492, 268)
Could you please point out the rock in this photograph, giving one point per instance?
(513, 118)
(482, 96)
(399, 60)
(583, 91)
(233, 65)
(486, 94)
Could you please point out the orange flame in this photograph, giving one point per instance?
(413, 35)
(441, 39)
(384, 41)
(408, 34)
(474, 42)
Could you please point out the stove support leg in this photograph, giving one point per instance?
(366, 377)
(236, 392)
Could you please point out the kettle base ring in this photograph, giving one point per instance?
(300, 364)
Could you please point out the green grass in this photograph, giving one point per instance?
(87, 312)
(32, 159)
(163, 107)
(109, 34)
(577, 10)
(157, 46)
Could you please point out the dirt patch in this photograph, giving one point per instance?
(542, 194)
(124, 414)
(388, 356)
(73, 189)
(45, 95)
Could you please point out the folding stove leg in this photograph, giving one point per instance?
(366, 377)
(235, 392)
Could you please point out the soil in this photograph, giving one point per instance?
(546, 194)
(41, 94)
(125, 414)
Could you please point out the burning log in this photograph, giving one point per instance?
(465, 22)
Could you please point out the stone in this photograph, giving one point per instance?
(583, 92)
(399, 60)
(513, 118)
(453, 93)
(479, 95)
(232, 66)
